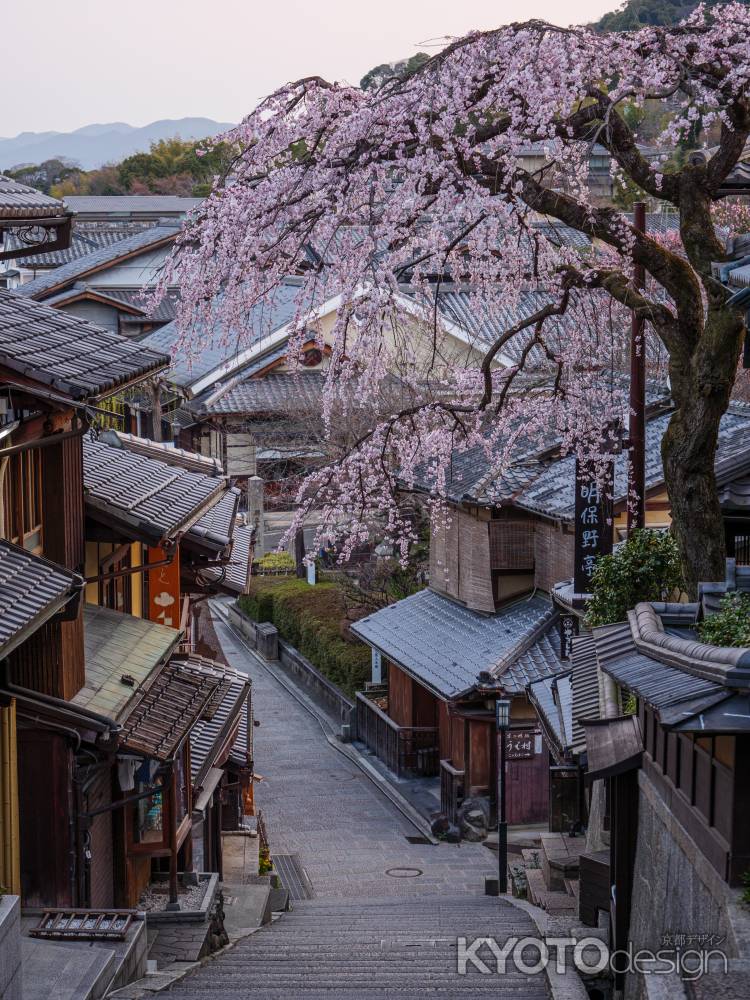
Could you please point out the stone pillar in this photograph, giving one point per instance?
(10, 947)
(255, 511)
(267, 640)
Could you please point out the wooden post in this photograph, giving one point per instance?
(637, 422)
(174, 903)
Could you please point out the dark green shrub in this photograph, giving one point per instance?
(312, 619)
(645, 568)
(730, 626)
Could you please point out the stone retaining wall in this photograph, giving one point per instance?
(10, 948)
(301, 671)
(677, 891)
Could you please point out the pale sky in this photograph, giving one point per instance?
(68, 63)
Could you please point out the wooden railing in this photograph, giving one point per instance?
(451, 790)
(408, 751)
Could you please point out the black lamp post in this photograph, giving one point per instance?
(502, 719)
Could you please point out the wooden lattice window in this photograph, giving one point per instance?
(512, 545)
(22, 500)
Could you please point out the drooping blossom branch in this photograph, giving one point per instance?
(377, 204)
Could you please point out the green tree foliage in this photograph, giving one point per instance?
(44, 176)
(172, 166)
(377, 76)
(730, 626)
(645, 568)
(636, 14)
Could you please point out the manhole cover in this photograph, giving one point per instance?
(404, 872)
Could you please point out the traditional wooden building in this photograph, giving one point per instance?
(99, 706)
(441, 667)
(676, 801)
(107, 284)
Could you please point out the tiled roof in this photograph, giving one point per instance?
(472, 476)
(148, 497)
(552, 492)
(169, 706)
(191, 460)
(739, 178)
(19, 201)
(540, 660)
(233, 576)
(74, 270)
(552, 698)
(206, 350)
(673, 692)
(164, 312)
(270, 394)
(32, 589)
(83, 241)
(215, 733)
(67, 353)
(585, 687)
(114, 203)
(445, 645)
(215, 529)
(124, 299)
(116, 646)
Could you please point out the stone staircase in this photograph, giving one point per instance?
(551, 872)
(375, 949)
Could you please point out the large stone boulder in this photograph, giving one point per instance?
(442, 828)
(474, 819)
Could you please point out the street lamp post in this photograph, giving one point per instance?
(502, 719)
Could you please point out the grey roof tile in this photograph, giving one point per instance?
(116, 644)
(155, 500)
(540, 660)
(66, 352)
(270, 394)
(445, 645)
(75, 270)
(207, 350)
(31, 589)
(114, 203)
(552, 698)
(19, 201)
(552, 492)
(210, 736)
(215, 528)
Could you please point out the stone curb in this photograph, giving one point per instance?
(566, 985)
(405, 807)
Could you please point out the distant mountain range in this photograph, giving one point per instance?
(93, 145)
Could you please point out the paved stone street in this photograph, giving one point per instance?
(365, 932)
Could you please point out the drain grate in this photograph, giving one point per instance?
(293, 876)
(419, 840)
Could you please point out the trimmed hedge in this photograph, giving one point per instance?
(311, 620)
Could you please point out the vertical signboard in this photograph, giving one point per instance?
(164, 589)
(568, 631)
(593, 527)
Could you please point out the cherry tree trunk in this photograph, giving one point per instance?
(702, 382)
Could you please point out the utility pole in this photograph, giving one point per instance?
(637, 421)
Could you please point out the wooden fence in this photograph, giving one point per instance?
(408, 751)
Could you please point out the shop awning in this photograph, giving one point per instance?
(170, 706)
(731, 715)
(613, 746)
